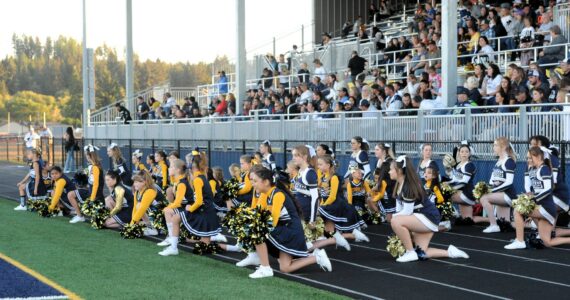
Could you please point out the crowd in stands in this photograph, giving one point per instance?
(366, 90)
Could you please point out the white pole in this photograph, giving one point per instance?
(129, 63)
(84, 69)
(241, 63)
(449, 51)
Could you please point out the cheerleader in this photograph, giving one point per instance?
(426, 161)
(144, 194)
(48, 181)
(32, 186)
(95, 181)
(267, 159)
(417, 217)
(359, 155)
(235, 172)
(538, 184)
(182, 192)
(151, 162)
(461, 180)
(323, 149)
(199, 217)
(216, 179)
(293, 171)
(161, 175)
(62, 186)
(357, 190)
(384, 185)
(306, 192)
(120, 164)
(433, 190)
(137, 163)
(245, 192)
(503, 191)
(286, 241)
(338, 215)
(119, 202)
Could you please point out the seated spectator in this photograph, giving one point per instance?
(565, 67)
(418, 60)
(432, 55)
(317, 85)
(424, 91)
(306, 94)
(187, 106)
(491, 84)
(416, 102)
(368, 111)
(552, 55)
(534, 82)
(521, 97)
(407, 107)
(485, 53)
(471, 84)
(180, 114)
(393, 101)
(434, 80)
(196, 113)
(412, 85)
(526, 40)
(290, 106)
(463, 101)
(326, 111)
(501, 99)
(320, 70)
(222, 106)
(348, 106)
(486, 31)
(167, 103)
(266, 81)
(278, 108)
(153, 105)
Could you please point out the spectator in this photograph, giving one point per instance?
(393, 101)
(407, 107)
(433, 54)
(70, 146)
(356, 64)
(303, 73)
(317, 85)
(124, 113)
(521, 97)
(491, 84)
(486, 31)
(31, 139)
(179, 114)
(424, 91)
(332, 86)
(232, 105)
(509, 25)
(223, 83)
(278, 108)
(486, 52)
(507, 88)
(434, 80)
(222, 106)
(348, 106)
(419, 60)
(153, 104)
(463, 100)
(372, 11)
(534, 82)
(167, 102)
(361, 34)
(565, 66)
(326, 111)
(364, 106)
(538, 98)
(306, 95)
(291, 56)
(196, 114)
(412, 85)
(266, 80)
(320, 71)
(416, 102)
(283, 70)
(546, 25)
(526, 41)
(472, 85)
(142, 109)
(553, 55)
(502, 100)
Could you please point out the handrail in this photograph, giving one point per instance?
(123, 100)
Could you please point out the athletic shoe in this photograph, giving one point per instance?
(262, 272)
(252, 259)
(309, 245)
(164, 243)
(516, 244)
(341, 241)
(60, 214)
(150, 232)
(453, 252)
(220, 238)
(359, 236)
(408, 256)
(492, 229)
(77, 219)
(20, 208)
(323, 260)
(169, 251)
(445, 226)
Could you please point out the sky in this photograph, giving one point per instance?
(169, 30)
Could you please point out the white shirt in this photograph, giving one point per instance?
(306, 96)
(46, 133)
(508, 23)
(31, 140)
(170, 102)
(321, 72)
(493, 84)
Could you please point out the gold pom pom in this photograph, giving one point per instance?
(524, 204)
(395, 246)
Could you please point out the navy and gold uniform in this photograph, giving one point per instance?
(62, 186)
(434, 195)
(307, 194)
(462, 180)
(502, 179)
(268, 161)
(386, 192)
(120, 166)
(96, 180)
(42, 190)
(356, 192)
(539, 182)
(183, 193)
(422, 169)
(245, 192)
(361, 160)
(219, 203)
(143, 201)
(200, 218)
(138, 167)
(123, 210)
(161, 175)
(287, 235)
(423, 209)
(259, 199)
(334, 207)
(561, 194)
(48, 182)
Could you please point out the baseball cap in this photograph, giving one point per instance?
(462, 90)
(566, 61)
(364, 103)
(533, 73)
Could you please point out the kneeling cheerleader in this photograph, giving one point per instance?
(119, 202)
(417, 218)
(62, 186)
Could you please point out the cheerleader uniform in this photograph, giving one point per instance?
(138, 167)
(182, 193)
(96, 179)
(561, 195)
(287, 234)
(259, 199)
(48, 182)
(539, 182)
(361, 160)
(422, 169)
(502, 179)
(385, 195)
(245, 192)
(126, 176)
(423, 209)
(336, 208)
(42, 190)
(161, 175)
(356, 192)
(123, 210)
(307, 194)
(268, 161)
(143, 202)
(62, 186)
(200, 218)
(292, 181)
(462, 180)
(219, 203)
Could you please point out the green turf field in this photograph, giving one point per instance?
(100, 265)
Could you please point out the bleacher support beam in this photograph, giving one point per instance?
(449, 53)
(241, 62)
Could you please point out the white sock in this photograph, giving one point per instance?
(169, 227)
(232, 248)
(173, 241)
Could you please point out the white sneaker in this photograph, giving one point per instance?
(77, 219)
(492, 229)
(252, 259)
(341, 241)
(445, 225)
(220, 238)
(323, 260)
(309, 245)
(359, 236)
(516, 244)
(453, 252)
(164, 243)
(533, 225)
(20, 208)
(169, 251)
(60, 214)
(262, 272)
(408, 256)
(150, 232)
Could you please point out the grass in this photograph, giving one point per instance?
(100, 265)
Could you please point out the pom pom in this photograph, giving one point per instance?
(371, 183)
(395, 246)
(445, 209)
(312, 234)
(99, 213)
(250, 226)
(42, 208)
(449, 161)
(133, 231)
(33, 205)
(156, 216)
(185, 234)
(87, 207)
(230, 189)
(524, 204)
(481, 188)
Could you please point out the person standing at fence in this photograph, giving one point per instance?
(70, 146)
(47, 135)
(32, 139)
